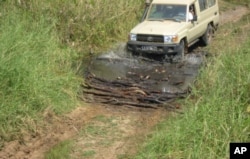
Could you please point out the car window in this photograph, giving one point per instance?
(166, 11)
(203, 4)
(211, 3)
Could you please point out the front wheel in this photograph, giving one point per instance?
(207, 36)
(182, 49)
(179, 57)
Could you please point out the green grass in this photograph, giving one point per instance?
(60, 151)
(88, 154)
(99, 127)
(216, 111)
(35, 72)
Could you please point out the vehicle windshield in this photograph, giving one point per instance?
(163, 12)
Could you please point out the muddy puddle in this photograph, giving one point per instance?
(117, 74)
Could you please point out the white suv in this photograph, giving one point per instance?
(169, 27)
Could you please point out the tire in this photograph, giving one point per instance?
(135, 53)
(179, 57)
(182, 50)
(208, 35)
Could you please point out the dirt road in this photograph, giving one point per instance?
(97, 131)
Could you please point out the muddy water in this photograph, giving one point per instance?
(150, 73)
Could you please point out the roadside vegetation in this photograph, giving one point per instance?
(35, 71)
(42, 46)
(217, 111)
(218, 108)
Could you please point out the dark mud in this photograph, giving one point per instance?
(141, 80)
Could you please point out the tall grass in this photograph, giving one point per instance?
(41, 42)
(217, 113)
(35, 72)
(88, 25)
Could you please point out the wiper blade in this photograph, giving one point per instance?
(156, 20)
(174, 19)
(168, 18)
(177, 20)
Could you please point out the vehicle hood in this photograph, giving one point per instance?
(167, 27)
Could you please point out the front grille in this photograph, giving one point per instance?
(150, 38)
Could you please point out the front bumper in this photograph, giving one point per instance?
(153, 48)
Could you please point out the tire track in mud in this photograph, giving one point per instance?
(122, 128)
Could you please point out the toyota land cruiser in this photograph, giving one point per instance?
(169, 27)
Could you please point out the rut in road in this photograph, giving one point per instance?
(120, 79)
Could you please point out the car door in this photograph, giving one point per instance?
(193, 26)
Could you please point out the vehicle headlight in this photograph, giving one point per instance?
(133, 37)
(170, 38)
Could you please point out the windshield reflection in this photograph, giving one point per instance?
(167, 12)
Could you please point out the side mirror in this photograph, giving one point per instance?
(147, 2)
(195, 18)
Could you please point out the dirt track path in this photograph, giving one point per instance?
(233, 15)
(115, 133)
(97, 131)
(104, 130)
